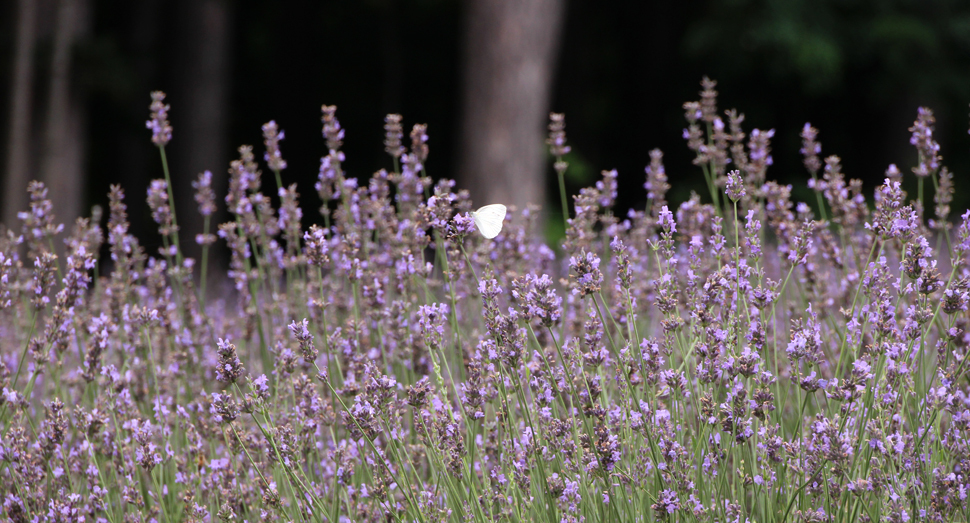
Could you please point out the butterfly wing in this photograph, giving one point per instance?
(489, 219)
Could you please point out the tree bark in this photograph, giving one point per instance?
(21, 101)
(64, 133)
(137, 157)
(200, 111)
(510, 51)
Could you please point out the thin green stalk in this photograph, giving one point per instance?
(562, 194)
(818, 198)
(408, 491)
(161, 500)
(171, 204)
(205, 263)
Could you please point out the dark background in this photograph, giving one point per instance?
(857, 70)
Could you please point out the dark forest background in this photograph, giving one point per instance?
(77, 76)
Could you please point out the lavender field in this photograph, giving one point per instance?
(741, 357)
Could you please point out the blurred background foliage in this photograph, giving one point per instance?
(856, 69)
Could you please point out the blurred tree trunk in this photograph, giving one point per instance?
(510, 51)
(137, 158)
(391, 50)
(64, 130)
(200, 108)
(21, 100)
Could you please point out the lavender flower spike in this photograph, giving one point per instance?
(161, 129)
(735, 186)
(271, 139)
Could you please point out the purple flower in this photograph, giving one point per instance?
(328, 184)
(161, 130)
(806, 341)
(539, 300)
(223, 408)
(332, 131)
(316, 246)
(585, 273)
(290, 214)
(811, 148)
(431, 322)
(759, 157)
(752, 237)
(667, 503)
(922, 129)
(666, 220)
(460, 226)
(230, 368)
(204, 195)
(39, 222)
(735, 186)
(159, 204)
(302, 334)
(607, 188)
(271, 139)
(656, 184)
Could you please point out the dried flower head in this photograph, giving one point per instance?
(811, 149)
(393, 136)
(332, 131)
(419, 143)
(557, 135)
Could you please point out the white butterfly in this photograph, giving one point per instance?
(489, 219)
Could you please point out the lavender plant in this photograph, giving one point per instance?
(735, 360)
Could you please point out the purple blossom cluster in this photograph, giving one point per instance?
(735, 358)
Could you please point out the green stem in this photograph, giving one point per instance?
(562, 194)
(205, 264)
(171, 204)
